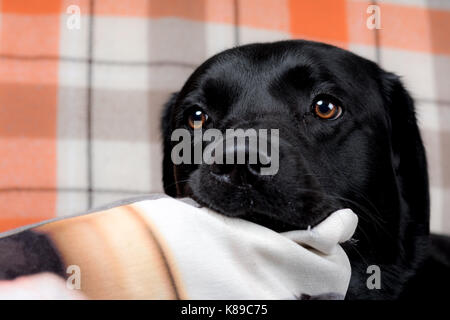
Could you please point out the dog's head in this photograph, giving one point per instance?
(347, 138)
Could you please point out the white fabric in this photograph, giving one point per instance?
(218, 257)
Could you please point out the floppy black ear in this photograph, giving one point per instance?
(409, 156)
(166, 129)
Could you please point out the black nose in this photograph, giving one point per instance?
(245, 167)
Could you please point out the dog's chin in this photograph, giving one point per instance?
(277, 223)
(257, 206)
(263, 219)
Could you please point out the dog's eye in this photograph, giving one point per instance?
(196, 118)
(325, 109)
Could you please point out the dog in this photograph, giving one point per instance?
(348, 138)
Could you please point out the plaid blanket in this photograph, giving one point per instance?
(80, 98)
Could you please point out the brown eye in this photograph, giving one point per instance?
(196, 118)
(326, 109)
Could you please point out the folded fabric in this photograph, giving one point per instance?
(168, 249)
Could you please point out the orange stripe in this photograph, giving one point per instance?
(21, 209)
(29, 34)
(28, 138)
(335, 21)
(405, 27)
(402, 27)
(357, 27)
(252, 13)
(33, 73)
(199, 10)
(265, 14)
(322, 20)
(83, 4)
(28, 111)
(133, 8)
(31, 6)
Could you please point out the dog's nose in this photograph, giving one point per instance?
(245, 167)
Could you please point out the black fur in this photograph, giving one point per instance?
(371, 159)
(27, 253)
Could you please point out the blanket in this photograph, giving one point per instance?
(170, 249)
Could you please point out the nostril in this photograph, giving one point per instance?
(252, 169)
(237, 174)
(240, 170)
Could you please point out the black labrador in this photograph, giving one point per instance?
(348, 137)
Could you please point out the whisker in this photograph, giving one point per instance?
(176, 183)
(354, 247)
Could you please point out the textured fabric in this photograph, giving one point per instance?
(138, 251)
(79, 108)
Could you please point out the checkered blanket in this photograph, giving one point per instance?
(82, 83)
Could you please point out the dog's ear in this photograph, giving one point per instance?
(166, 130)
(409, 158)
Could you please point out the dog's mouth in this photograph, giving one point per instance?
(267, 202)
(270, 221)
